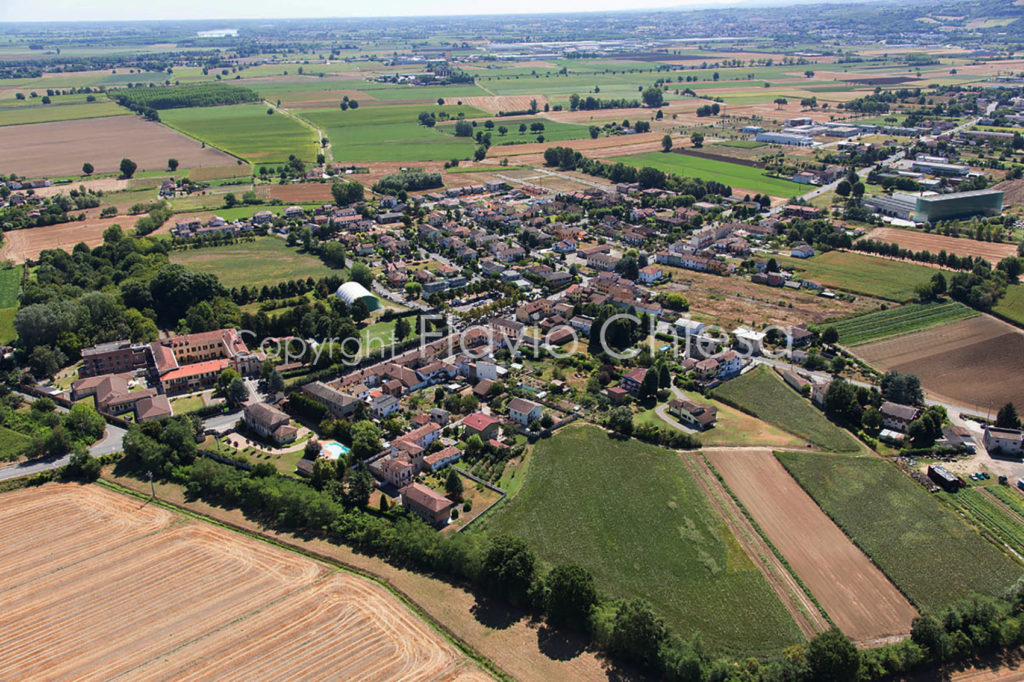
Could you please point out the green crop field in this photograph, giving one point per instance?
(632, 514)
(1011, 305)
(924, 547)
(10, 284)
(859, 274)
(268, 260)
(553, 130)
(732, 174)
(391, 133)
(903, 319)
(762, 393)
(990, 515)
(741, 144)
(247, 131)
(12, 444)
(47, 113)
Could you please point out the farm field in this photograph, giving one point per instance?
(991, 515)
(733, 174)
(554, 131)
(100, 595)
(22, 245)
(879, 277)
(12, 444)
(1011, 305)
(903, 319)
(855, 594)
(974, 362)
(391, 133)
(59, 149)
(58, 112)
(233, 264)
(931, 554)
(922, 241)
(585, 500)
(246, 131)
(10, 285)
(737, 428)
(762, 393)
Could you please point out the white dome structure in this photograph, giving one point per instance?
(350, 292)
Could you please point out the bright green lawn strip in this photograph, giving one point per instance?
(10, 283)
(47, 113)
(1011, 305)
(884, 324)
(12, 443)
(632, 514)
(732, 174)
(762, 393)
(859, 274)
(928, 551)
(554, 131)
(245, 130)
(268, 260)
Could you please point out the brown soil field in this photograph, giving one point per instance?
(122, 588)
(297, 193)
(1013, 192)
(104, 184)
(22, 245)
(498, 103)
(857, 596)
(974, 362)
(520, 646)
(921, 241)
(59, 149)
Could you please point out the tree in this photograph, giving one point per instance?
(508, 568)
(620, 420)
(830, 336)
(649, 386)
(463, 128)
(781, 102)
(832, 657)
(87, 168)
(82, 466)
(360, 272)
(172, 164)
(653, 97)
(858, 189)
(843, 188)
(365, 439)
(238, 392)
(453, 485)
(275, 384)
(227, 375)
(902, 388)
(637, 632)
(230, 200)
(841, 403)
(1007, 417)
(85, 423)
(666, 143)
(128, 168)
(402, 328)
(359, 310)
(347, 192)
(697, 139)
(571, 595)
(360, 487)
(594, 132)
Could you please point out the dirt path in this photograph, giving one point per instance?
(800, 606)
(852, 590)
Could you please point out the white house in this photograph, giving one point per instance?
(523, 411)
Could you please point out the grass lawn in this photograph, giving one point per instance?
(268, 260)
(879, 277)
(924, 547)
(187, 403)
(732, 174)
(734, 427)
(391, 133)
(761, 392)
(10, 284)
(898, 320)
(631, 514)
(12, 444)
(554, 131)
(382, 334)
(46, 113)
(246, 131)
(1011, 305)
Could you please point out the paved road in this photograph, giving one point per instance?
(110, 443)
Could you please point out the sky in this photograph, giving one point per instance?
(126, 10)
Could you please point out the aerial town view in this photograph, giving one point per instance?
(549, 341)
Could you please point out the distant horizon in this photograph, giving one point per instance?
(74, 11)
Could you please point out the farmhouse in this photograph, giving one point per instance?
(1003, 441)
(431, 506)
(897, 417)
(695, 415)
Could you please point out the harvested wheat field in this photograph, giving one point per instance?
(922, 241)
(854, 593)
(296, 194)
(59, 149)
(498, 103)
(27, 244)
(102, 585)
(974, 362)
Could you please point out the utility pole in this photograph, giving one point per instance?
(152, 488)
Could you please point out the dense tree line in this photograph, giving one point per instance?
(409, 181)
(181, 96)
(591, 103)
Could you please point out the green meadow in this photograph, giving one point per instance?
(732, 174)
(246, 130)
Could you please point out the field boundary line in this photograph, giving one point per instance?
(487, 664)
(320, 135)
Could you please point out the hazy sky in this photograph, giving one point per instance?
(96, 10)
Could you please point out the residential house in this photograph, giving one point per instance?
(633, 380)
(429, 505)
(650, 274)
(481, 425)
(696, 415)
(897, 417)
(523, 411)
(1003, 441)
(269, 422)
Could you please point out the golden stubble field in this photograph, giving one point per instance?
(99, 585)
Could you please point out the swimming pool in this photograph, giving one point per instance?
(332, 449)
